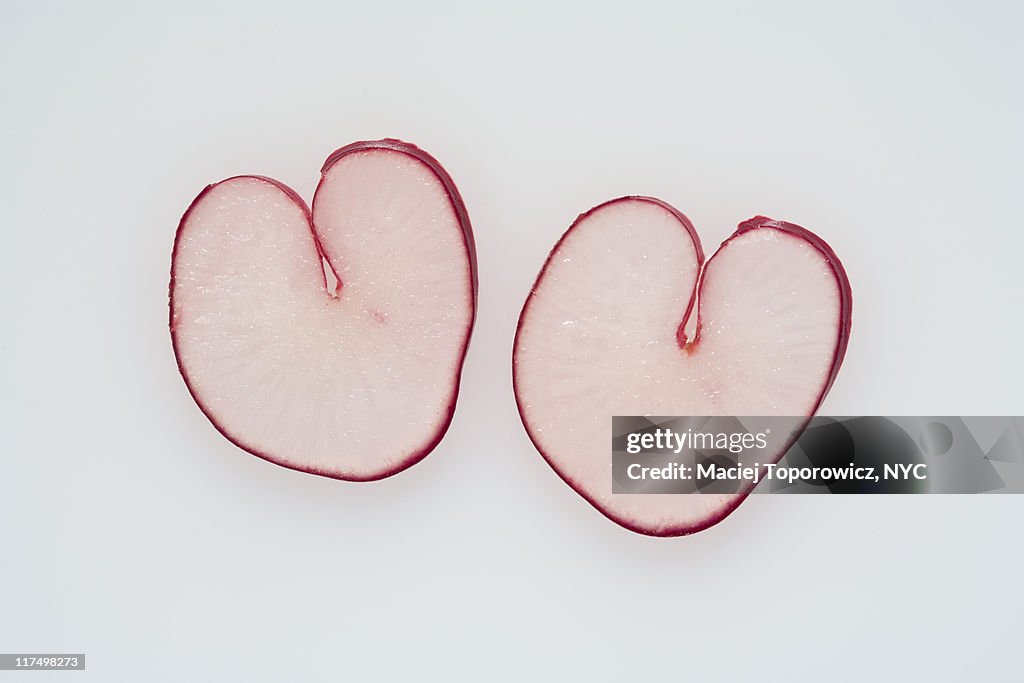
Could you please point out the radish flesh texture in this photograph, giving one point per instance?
(355, 383)
(602, 334)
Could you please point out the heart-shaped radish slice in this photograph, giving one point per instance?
(602, 334)
(355, 383)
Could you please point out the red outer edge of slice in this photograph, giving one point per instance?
(461, 216)
(409, 149)
(676, 213)
(758, 222)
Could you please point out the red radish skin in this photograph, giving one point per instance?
(371, 196)
(557, 363)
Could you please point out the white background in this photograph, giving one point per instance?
(130, 530)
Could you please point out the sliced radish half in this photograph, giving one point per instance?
(355, 380)
(603, 333)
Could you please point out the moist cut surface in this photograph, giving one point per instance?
(603, 333)
(355, 383)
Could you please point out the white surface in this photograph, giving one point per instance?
(134, 532)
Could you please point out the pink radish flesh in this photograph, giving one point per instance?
(602, 334)
(357, 383)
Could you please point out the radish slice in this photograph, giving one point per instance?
(603, 333)
(357, 380)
